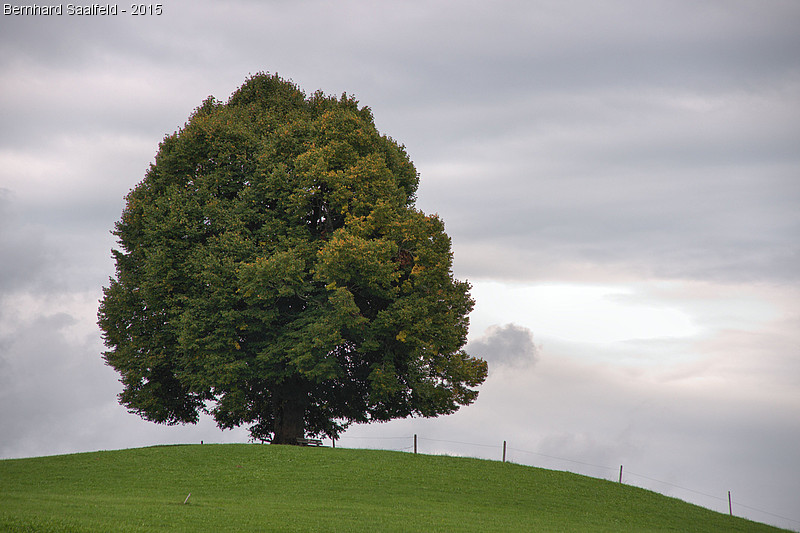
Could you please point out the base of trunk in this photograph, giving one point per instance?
(290, 418)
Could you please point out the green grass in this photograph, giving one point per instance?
(284, 488)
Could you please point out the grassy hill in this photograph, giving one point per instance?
(278, 488)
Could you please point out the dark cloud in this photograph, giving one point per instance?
(713, 221)
(509, 345)
(22, 249)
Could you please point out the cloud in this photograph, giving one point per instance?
(508, 345)
(633, 183)
(49, 385)
(21, 247)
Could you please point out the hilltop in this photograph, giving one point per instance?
(241, 487)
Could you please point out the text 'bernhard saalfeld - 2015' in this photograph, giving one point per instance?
(79, 9)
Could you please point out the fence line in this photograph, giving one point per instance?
(564, 459)
(459, 442)
(413, 449)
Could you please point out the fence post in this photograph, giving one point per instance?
(504, 451)
(415, 443)
(620, 473)
(730, 505)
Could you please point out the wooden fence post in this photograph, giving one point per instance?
(415, 443)
(504, 451)
(620, 473)
(730, 505)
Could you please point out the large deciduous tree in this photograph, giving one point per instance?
(273, 271)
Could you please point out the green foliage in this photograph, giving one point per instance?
(287, 488)
(274, 271)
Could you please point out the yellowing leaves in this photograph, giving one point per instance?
(354, 261)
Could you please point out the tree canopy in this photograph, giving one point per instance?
(274, 272)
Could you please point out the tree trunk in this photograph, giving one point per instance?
(290, 411)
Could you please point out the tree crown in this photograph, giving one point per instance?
(274, 271)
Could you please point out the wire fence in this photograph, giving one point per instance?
(624, 475)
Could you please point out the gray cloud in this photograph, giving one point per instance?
(662, 215)
(509, 345)
(21, 248)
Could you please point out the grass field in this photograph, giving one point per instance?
(240, 487)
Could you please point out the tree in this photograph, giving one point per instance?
(273, 271)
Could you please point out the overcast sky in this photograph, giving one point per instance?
(621, 181)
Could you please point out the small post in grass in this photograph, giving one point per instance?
(730, 505)
(504, 451)
(415, 443)
(620, 473)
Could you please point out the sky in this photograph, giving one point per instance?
(621, 182)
